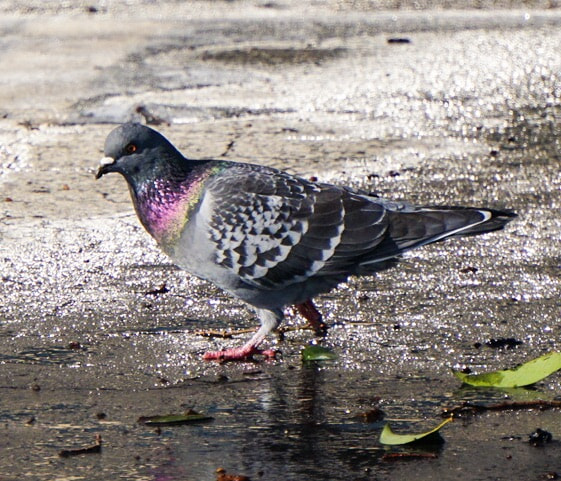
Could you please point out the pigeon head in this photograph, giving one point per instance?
(140, 154)
(163, 184)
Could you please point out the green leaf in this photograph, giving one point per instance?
(317, 353)
(170, 419)
(524, 375)
(430, 437)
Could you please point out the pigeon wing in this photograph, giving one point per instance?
(273, 229)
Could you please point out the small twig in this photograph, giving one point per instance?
(149, 117)
(360, 323)
(405, 456)
(156, 292)
(305, 327)
(229, 147)
(470, 408)
(222, 334)
(235, 332)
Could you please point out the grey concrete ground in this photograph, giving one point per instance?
(467, 112)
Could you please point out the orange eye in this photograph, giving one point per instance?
(131, 149)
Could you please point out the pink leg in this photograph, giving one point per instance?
(312, 315)
(269, 321)
(238, 354)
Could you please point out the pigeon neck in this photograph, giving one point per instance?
(164, 205)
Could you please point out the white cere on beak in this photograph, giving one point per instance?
(106, 161)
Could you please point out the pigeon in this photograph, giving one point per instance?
(265, 236)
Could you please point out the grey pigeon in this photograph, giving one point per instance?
(268, 237)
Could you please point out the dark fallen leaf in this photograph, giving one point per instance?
(371, 416)
(96, 448)
(540, 437)
(187, 417)
(508, 343)
(399, 40)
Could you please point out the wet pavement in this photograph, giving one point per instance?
(97, 328)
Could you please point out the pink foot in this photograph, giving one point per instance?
(238, 354)
(312, 315)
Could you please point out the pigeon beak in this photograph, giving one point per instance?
(105, 166)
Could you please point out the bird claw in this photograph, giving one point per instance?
(239, 354)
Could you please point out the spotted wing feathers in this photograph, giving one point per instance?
(275, 229)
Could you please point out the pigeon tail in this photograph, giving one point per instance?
(496, 221)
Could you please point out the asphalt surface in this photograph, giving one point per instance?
(97, 328)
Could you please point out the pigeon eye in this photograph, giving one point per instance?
(130, 149)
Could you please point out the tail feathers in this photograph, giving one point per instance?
(414, 228)
(496, 221)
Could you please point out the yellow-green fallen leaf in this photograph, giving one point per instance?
(317, 353)
(433, 436)
(169, 419)
(524, 375)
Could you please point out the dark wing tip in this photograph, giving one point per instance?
(503, 216)
(497, 220)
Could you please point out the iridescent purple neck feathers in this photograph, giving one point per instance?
(164, 205)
